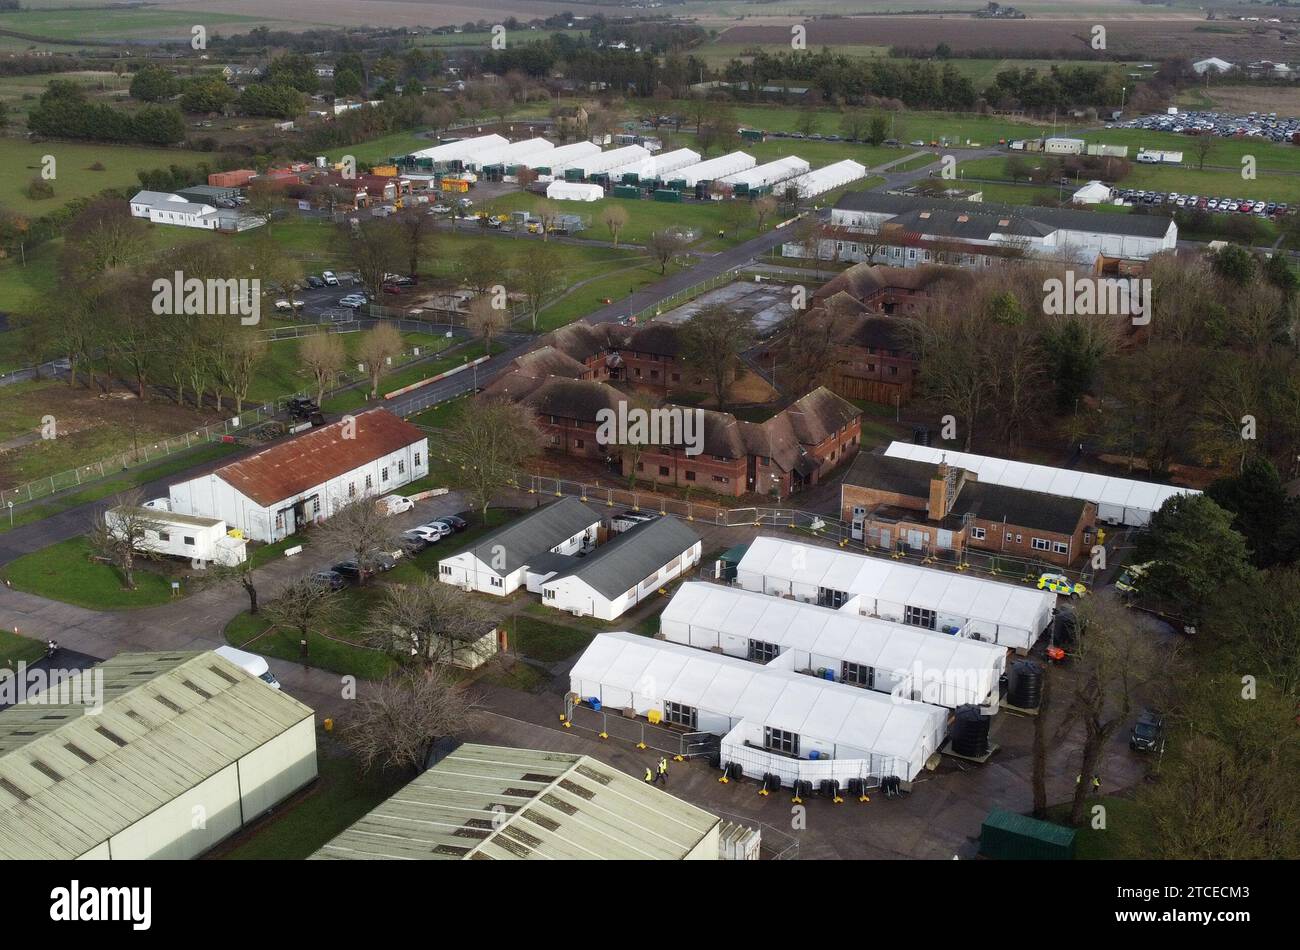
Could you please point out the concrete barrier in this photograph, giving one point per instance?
(433, 379)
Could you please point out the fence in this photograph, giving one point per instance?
(613, 724)
(682, 296)
(826, 527)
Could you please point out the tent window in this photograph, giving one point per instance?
(680, 715)
(857, 674)
(829, 597)
(778, 740)
(761, 652)
(919, 617)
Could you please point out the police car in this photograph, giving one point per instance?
(1060, 584)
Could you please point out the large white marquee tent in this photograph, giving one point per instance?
(562, 155)
(512, 153)
(715, 168)
(829, 177)
(461, 150)
(657, 166)
(574, 191)
(907, 661)
(1119, 500)
(770, 173)
(842, 732)
(605, 161)
(880, 587)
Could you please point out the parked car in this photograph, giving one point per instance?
(382, 561)
(348, 570)
(425, 533)
(331, 579)
(315, 282)
(354, 301)
(285, 304)
(441, 208)
(1130, 577)
(413, 543)
(457, 523)
(329, 278)
(1148, 734)
(395, 504)
(442, 527)
(1060, 584)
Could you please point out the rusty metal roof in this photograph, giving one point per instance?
(313, 458)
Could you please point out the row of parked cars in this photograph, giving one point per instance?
(1266, 125)
(412, 541)
(1133, 196)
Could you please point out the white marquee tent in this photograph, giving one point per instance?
(916, 664)
(562, 155)
(512, 153)
(1118, 500)
(769, 173)
(880, 587)
(715, 168)
(829, 177)
(459, 151)
(595, 164)
(657, 166)
(574, 191)
(842, 731)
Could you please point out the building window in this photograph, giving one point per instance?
(977, 534)
(856, 674)
(164, 536)
(1040, 544)
(919, 617)
(383, 474)
(721, 478)
(690, 476)
(663, 470)
(189, 540)
(680, 715)
(401, 466)
(1019, 539)
(829, 597)
(1060, 547)
(548, 593)
(496, 582)
(1009, 535)
(761, 652)
(352, 489)
(778, 740)
(579, 444)
(417, 459)
(444, 569)
(370, 482)
(315, 505)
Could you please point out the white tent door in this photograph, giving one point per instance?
(859, 515)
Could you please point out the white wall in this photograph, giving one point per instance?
(573, 594)
(274, 771)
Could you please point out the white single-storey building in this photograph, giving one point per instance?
(772, 721)
(1125, 501)
(622, 572)
(198, 539)
(161, 207)
(840, 645)
(498, 563)
(933, 599)
(308, 477)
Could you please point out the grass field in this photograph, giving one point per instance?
(20, 162)
(1269, 156)
(65, 571)
(15, 649)
(103, 23)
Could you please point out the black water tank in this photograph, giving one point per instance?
(1064, 626)
(921, 435)
(1025, 690)
(970, 732)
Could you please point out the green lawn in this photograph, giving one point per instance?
(26, 514)
(280, 374)
(1123, 838)
(357, 397)
(15, 649)
(1269, 156)
(65, 571)
(544, 641)
(298, 828)
(22, 161)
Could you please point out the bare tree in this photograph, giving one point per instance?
(323, 356)
(481, 266)
(394, 725)
(666, 246)
(216, 574)
(547, 212)
(376, 246)
(304, 606)
(417, 227)
(120, 535)
(615, 219)
(490, 445)
(362, 528)
(538, 273)
(376, 349)
(237, 358)
(712, 341)
(428, 622)
(486, 321)
(764, 208)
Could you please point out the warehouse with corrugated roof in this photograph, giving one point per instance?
(148, 755)
(486, 802)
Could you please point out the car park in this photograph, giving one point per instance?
(1060, 584)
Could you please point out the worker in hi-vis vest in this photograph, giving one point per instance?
(649, 778)
(663, 772)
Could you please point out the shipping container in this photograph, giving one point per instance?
(1010, 837)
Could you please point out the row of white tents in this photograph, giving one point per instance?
(769, 173)
(1123, 501)
(829, 177)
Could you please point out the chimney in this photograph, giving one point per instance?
(938, 506)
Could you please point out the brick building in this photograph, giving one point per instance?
(892, 503)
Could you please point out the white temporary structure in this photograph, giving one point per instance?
(1119, 500)
(511, 153)
(1093, 193)
(829, 177)
(657, 166)
(596, 164)
(199, 540)
(574, 191)
(460, 150)
(904, 593)
(715, 168)
(772, 721)
(906, 661)
(769, 173)
(560, 156)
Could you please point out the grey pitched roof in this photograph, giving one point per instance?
(621, 564)
(1140, 225)
(1026, 509)
(535, 533)
(885, 473)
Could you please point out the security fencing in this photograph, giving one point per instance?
(620, 726)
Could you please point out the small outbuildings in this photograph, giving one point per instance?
(197, 539)
(574, 191)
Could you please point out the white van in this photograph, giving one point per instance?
(331, 280)
(250, 663)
